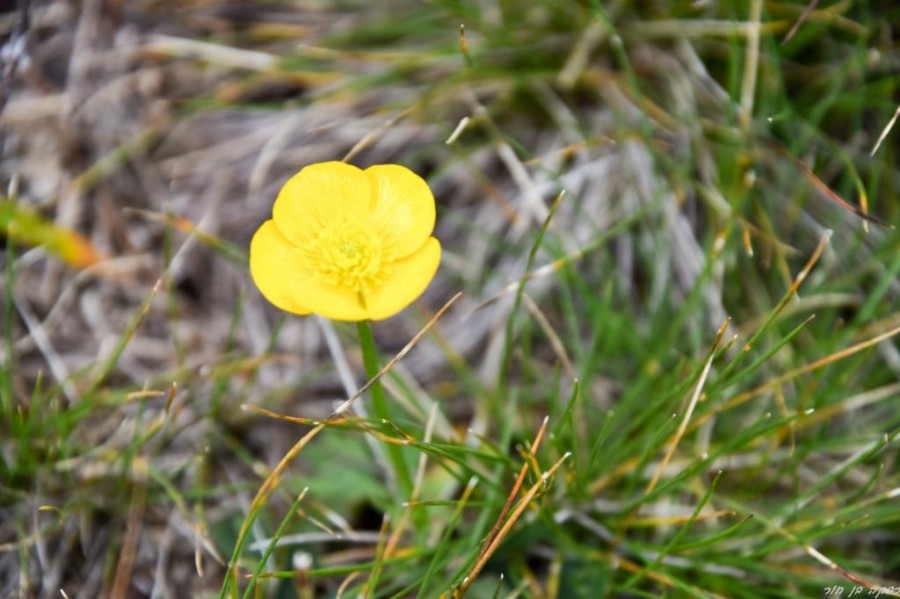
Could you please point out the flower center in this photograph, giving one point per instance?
(348, 255)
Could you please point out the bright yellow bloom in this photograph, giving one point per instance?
(346, 243)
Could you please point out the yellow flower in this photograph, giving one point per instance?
(346, 243)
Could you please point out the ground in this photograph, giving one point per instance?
(672, 368)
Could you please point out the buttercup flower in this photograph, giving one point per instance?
(346, 243)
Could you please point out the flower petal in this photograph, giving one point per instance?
(403, 208)
(332, 301)
(274, 267)
(280, 271)
(408, 279)
(319, 194)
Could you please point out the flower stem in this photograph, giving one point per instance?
(380, 404)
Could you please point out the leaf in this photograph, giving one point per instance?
(24, 225)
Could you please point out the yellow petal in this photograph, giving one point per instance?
(281, 272)
(319, 194)
(403, 209)
(335, 303)
(408, 279)
(276, 268)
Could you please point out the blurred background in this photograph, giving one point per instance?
(706, 149)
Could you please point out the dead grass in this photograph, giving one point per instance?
(126, 112)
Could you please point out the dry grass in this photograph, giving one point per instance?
(127, 112)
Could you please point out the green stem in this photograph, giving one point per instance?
(380, 404)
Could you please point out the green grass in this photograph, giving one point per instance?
(696, 339)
